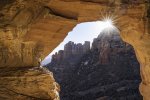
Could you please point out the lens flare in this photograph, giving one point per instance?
(108, 23)
(109, 20)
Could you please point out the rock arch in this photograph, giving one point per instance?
(32, 29)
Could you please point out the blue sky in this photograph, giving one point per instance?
(82, 32)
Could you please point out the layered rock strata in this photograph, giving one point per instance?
(27, 84)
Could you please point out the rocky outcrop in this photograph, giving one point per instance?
(106, 70)
(71, 54)
(29, 21)
(27, 84)
(109, 45)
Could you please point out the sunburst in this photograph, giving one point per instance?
(109, 21)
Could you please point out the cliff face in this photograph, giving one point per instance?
(71, 54)
(109, 45)
(105, 71)
(24, 24)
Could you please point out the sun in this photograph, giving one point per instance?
(109, 25)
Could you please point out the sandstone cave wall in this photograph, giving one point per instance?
(30, 29)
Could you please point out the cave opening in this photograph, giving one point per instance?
(93, 63)
(88, 30)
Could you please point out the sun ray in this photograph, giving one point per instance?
(109, 22)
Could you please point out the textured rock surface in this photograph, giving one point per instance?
(109, 44)
(71, 54)
(109, 70)
(24, 24)
(27, 84)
